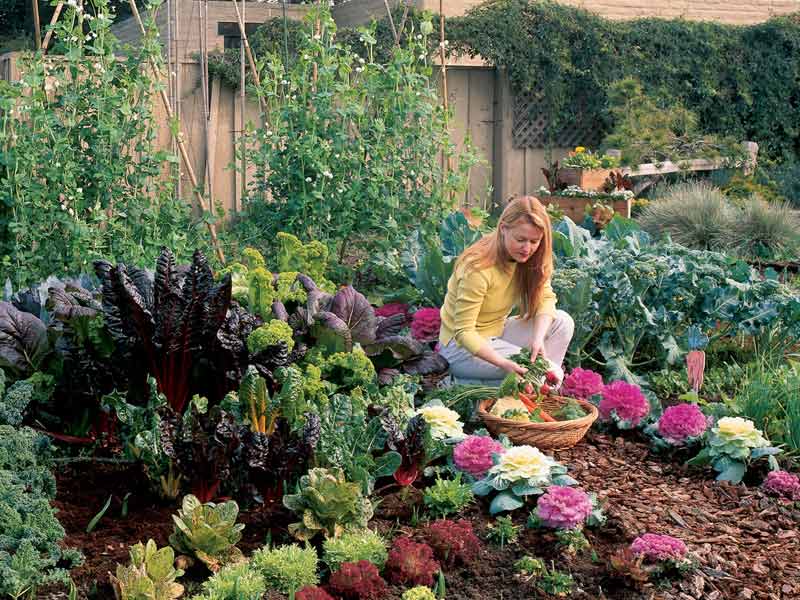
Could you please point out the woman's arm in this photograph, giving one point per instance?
(543, 318)
(490, 355)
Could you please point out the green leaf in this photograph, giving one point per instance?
(387, 464)
(731, 470)
(505, 501)
(701, 459)
(96, 519)
(756, 453)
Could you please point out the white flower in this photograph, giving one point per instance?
(327, 174)
(317, 36)
(422, 57)
(359, 69)
(443, 422)
(308, 179)
(306, 57)
(361, 60)
(523, 463)
(269, 133)
(79, 190)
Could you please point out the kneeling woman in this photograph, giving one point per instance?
(510, 267)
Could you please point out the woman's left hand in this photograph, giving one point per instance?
(537, 348)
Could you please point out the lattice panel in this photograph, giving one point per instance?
(530, 126)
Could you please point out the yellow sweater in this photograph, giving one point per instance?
(478, 303)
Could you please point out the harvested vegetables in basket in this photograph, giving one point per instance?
(530, 388)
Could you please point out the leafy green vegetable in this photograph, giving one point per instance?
(569, 411)
(286, 568)
(207, 531)
(328, 504)
(150, 576)
(448, 496)
(272, 334)
(349, 370)
(234, 582)
(353, 546)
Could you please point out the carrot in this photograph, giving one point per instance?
(532, 405)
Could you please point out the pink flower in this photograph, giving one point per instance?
(682, 421)
(624, 400)
(473, 455)
(425, 324)
(659, 547)
(564, 507)
(394, 308)
(782, 483)
(582, 383)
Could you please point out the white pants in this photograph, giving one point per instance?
(469, 369)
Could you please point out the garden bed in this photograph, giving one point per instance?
(748, 545)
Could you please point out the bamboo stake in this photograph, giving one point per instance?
(37, 26)
(49, 34)
(402, 26)
(249, 52)
(242, 116)
(315, 74)
(445, 163)
(203, 20)
(212, 230)
(177, 63)
(391, 22)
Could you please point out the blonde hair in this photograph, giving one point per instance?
(490, 250)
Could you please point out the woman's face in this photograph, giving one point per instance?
(521, 240)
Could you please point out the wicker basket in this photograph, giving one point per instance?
(545, 436)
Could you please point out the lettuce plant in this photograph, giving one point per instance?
(517, 473)
(233, 582)
(732, 443)
(353, 546)
(358, 581)
(419, 592)
(312, 592)
(208, 532)
(453, 541)
(411, 563)
(150, 575)
(448, 496)
(409, 444)
(286, 568)
(327, 503)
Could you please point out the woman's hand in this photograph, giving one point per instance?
(512, 367)
(537, 348)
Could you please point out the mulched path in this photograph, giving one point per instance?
(747, 545)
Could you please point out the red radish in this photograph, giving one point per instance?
(551, 378)
(545, 389)
(528, 388)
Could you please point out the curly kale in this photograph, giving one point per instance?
(272, 334)
(349, 370)
(13, 404)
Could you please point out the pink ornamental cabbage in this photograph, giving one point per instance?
(425, 324)
(782, 483)
(682, 421)
(394, 308)
(657, 547)
(625, 400)
(582, 383)
(473, 455)
(564, 507)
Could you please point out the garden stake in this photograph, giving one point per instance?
(178, 136)
(49, 34)
(446, 166)
(249, 52)
(242, 109)
(37, 26)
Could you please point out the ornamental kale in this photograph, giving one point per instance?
(444, 423)
(327, 503)
(731, 445)
(564, 507)
(425, 324)
(208, 532)
(582, 383)
(411, 563)
(623, 403)
(782, 483)
(681, 423)
(519, 472)
(655, 547)
(473, 455)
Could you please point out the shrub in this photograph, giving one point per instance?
(762, 230)
(411, 563)
(453, 541)
(446, 497)
(564, 507)
(286, 568)
(473, 455)
(358, 581)
(207, 531)
(234, 582)
(354, 546)
(693, 214)
(623, 403)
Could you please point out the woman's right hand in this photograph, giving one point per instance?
(512, 367)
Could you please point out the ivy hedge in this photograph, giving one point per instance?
(742, 81)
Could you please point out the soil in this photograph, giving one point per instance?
(747, 545)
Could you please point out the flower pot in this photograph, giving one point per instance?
(586, 179)
(574, 207)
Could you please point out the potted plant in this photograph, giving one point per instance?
(586, 170)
